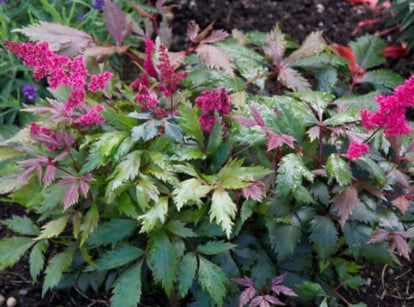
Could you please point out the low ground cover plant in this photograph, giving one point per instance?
(242, 170)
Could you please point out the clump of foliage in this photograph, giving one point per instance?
(195, 178)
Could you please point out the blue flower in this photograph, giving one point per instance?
(29, 91)
(97, 5)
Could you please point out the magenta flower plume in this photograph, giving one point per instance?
(356, 150)
(211, 102)
(91, 117)
(391, 112)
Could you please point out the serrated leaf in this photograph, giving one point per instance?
(22, 225)
(191, 189)
(345, 202)
(53, 228)
(126, 291)
(291, 172)
(111, 232)
(275, 44)
(89, 223)
(55, 268)
(212, 280)
(293, 79)
(340, 119)
(186, 271)
(213, 57)
(37, 258)
(12, 249)
(163, 261)
(236, 176)
(155, 216)
(284, 238)
(383, 77)
(373, 169)
(313, 44)
(145, 131)
(367, 50)
(249, 63)
(64, 39)
(126, 170)
(118, 120)
(215, 247)
(116, 258)
(119, 27)
(178, 228)
(223, 210)
(188, 121)
(324, 236)
(337, 167)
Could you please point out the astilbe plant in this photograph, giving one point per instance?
(190, 182)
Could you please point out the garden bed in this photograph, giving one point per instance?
(385, 286)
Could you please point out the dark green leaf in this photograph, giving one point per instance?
(188, 121)
(54, 271)
(324, 236)
(383, 77)
(37, 258)
(338, 168)
(212, 280)
(215, 247)
(163, 261)
(127, 287)
(178, 228)
(112, 231)
(22, 225)
(284, 238)
(12, 249)
(186, 271)
(119, 121)
(367, 50)
(116, 258)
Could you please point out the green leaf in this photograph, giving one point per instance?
(112, 231)
(337, 167)
(191, 189)
(367, 50)
(53, 228)
(215, 137)
(383, 77)
(54, 271)
(126, 291)
(89, 223)
(373, 170)
(52, 197)
(118, 120)
(212, 280)
(145, 131)
(290, 174)
(223, 210)
(156, 215)
(8, 153)
(236, 176)
(12, 249)
(22, 225)
(248, 62)
(178, 228)
(284, 238)
(126, 170)
(116, 258)
(215, 247)
(188, 121)
(163, 261)
(314, 43)
(37, 258)
(324, 236)
(186, 271)
(341, 118)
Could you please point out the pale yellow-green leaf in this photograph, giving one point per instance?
(53, 228)
(223, 210)
(8, 152)
(190, 189)
(126, 170)
(154, 216)
(313, 44)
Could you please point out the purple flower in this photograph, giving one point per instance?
(29, 91)
(3, 1)
(81, 17)
(97, 5)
